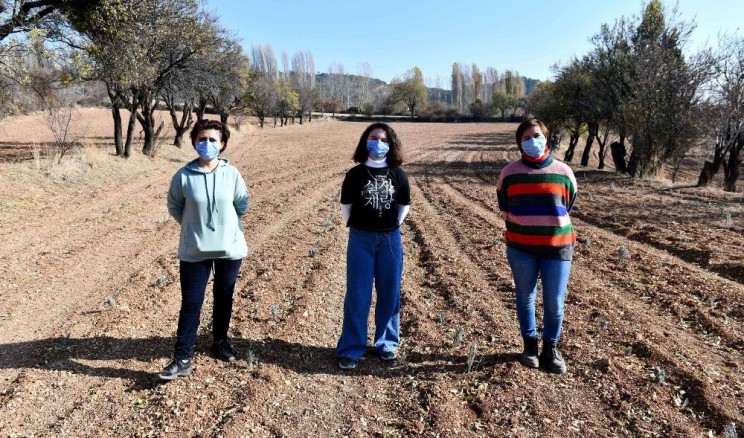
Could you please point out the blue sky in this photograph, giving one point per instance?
(394, 36)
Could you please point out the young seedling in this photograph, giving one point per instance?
(442, 317)
(459, 333)
(471, 356)
(660, 375)
(622, 252)
(251, 358)
(274, 310)
(729, 431)
(313, 251)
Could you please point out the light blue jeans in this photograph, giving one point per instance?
(371, 257)
(554, 274)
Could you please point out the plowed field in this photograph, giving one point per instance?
(89, 299)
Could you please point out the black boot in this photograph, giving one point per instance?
(529, 355)
(551, 359)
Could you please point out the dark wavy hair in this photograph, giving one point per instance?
(205, 124)
(394, 156)
(526, 124)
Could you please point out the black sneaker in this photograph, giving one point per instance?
(529, 355)
(551, 359)
(388, 356)
(347, 363)
(176, 368)
(223, 350)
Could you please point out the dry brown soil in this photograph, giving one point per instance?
(89, 298)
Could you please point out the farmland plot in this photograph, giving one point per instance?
(89, 299)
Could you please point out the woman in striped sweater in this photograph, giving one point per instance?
(535, 195)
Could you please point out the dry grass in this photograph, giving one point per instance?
(32, 179)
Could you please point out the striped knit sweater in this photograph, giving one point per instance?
(536, 197)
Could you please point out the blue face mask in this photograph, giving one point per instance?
(534, 147)
(377, 149)
(207, 149)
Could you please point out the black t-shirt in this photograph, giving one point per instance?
(374, 195)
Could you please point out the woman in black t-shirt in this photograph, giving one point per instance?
(375, 198)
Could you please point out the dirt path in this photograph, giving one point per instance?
(89, 301)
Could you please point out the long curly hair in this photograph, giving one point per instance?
(394, 156)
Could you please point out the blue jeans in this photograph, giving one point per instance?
(554, 274)
(371, 256)
(194, 278)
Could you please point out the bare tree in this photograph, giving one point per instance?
(303, 67)
(138, 45)
(477, 79)
(24, 15)
(263, 82)
(364, 73)
(60, 116)
(457, 87)
(727, 109)
(227, 78)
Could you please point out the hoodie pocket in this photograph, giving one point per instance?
(202, 241)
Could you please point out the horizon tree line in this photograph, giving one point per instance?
(635, 91)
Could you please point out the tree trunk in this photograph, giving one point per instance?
(618, 152)
(130, 133)
(710, 169)
(602, 141)
(633, 164)
(572, 142)
(147, 122)
(133, 103)
(116, 113)
(732, 171)
(223, 117)
(184, 124)
(593, 128)
(201, 109)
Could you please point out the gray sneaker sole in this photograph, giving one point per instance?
(350, 366)
(174, 376)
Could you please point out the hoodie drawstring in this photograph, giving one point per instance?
(212, 205)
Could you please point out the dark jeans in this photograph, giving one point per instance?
(194, 278)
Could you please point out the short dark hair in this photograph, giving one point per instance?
(394, 156)
(205, 124)
(526, 124)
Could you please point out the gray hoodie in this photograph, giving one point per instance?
(208, 205)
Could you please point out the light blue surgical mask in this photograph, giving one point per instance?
(208, 149)
(377, 149)
(534, 147)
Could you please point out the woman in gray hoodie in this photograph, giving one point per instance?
(207, 197)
